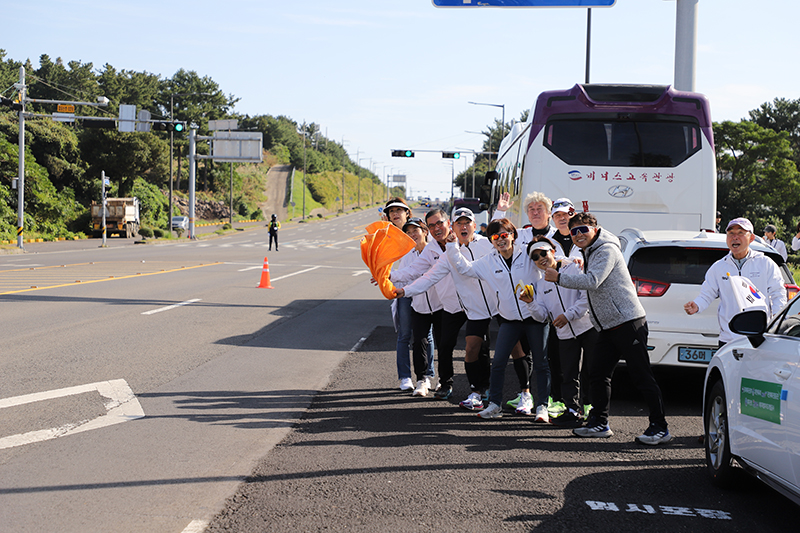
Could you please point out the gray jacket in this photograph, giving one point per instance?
(607, 282)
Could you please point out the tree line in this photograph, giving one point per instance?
(63, 161)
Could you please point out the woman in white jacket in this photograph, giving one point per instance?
(503, 269)
(568, 312)
(424, 303)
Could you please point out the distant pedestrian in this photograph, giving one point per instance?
(796, 238)
(272, 228)
(718, 222)
(770, 235)
(617, 314)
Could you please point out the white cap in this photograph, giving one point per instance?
(563, 205)
(463, 212)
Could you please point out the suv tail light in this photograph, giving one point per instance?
(646, 287)
(791, 290)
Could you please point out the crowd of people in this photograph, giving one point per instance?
(566, 309)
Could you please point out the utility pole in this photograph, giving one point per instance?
(21, 181)
(103, 204)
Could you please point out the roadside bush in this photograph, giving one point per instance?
(146, 232)
(158, 233)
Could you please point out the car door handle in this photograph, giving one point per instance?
(783, 373)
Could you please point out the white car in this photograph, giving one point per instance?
(668, 268)
(180, 223)
(751, 410)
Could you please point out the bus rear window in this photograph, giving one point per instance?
(622, 143)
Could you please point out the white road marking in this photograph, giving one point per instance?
(250, 268)
(196, 526)
(359, 272)
(357, 345)
(167, 308)
(296, 273)
(122, 407)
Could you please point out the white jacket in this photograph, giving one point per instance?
(424, 302)
(477, 299)
(445, 289)
(779, 247)
(571, 303)
(759, 269)
(493, 269)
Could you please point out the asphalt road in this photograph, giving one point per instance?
(257, 416)
(367, 457)
(177, 331)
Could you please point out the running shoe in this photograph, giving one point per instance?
(473, 402)
(594, 429)
(587, 409)
(525, 404)
(513, 403)
(568, 419)
(654, 435)
(406, 384)
(493, 411)
(423, 386)
(555, 408)
(542, 415)
(443, 393)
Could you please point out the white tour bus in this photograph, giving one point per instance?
(633, 155)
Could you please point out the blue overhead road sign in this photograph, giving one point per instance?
(523, 3)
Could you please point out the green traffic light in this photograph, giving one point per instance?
(409, 153)
(179, 126)
(456, 155)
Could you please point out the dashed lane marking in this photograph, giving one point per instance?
(167, 308)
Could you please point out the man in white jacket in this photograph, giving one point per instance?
(477, 300)
(741, 261)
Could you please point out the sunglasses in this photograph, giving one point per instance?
(538, 254)
(503, 235)
(579, 229)
(562, 204)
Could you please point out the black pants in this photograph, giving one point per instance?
(576, 357)
(275, 237)
(553, 359)
(627, 341)
(420, 350)
(451, 325)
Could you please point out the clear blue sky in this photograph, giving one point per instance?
(388, 74)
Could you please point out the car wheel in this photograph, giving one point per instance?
(717, 441)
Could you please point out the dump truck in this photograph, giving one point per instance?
(122, 217)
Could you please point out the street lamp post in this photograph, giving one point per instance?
(359, 178)
(502, 125)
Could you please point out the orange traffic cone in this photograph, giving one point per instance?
(265, 284)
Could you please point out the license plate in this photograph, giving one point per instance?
(695, 355)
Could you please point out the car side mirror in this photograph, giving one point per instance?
(752, 324)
